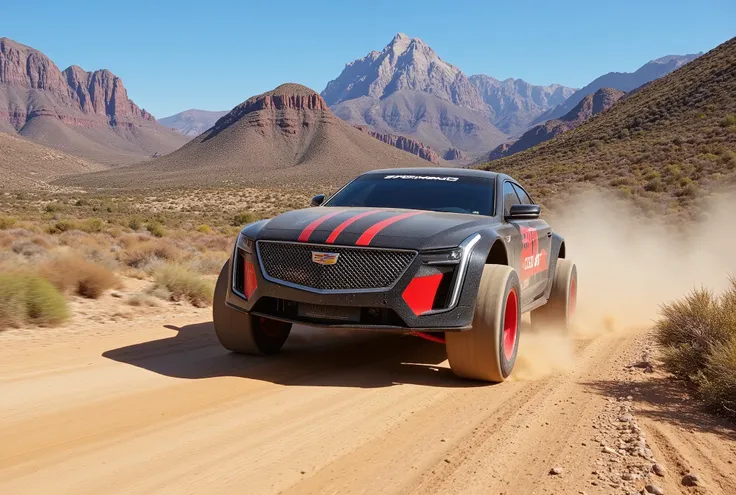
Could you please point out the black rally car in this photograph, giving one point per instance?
(451, 255)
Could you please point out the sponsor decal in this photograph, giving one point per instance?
(325, 258)
(423, 177)
(532, 259)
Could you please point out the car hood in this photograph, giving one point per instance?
(374, 227)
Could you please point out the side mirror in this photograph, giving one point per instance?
(524, 212)
(318, 200)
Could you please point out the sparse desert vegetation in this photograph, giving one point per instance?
(55, 247)
(661, 146)
(698, 336)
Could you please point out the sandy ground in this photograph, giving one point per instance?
(155, 405)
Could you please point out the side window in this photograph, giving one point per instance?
(523, 196)
(509, 197)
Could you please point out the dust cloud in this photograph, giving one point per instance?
(627, 267)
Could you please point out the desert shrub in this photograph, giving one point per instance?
(243, 218)
(156, 229)
(141, 299)
(205, 229)
(7, 222)
(698, 336)
(26, 298)
(142, 255)
(73, 273)
(184, 284)
(209, 262)
(92, 225)
(61, 226)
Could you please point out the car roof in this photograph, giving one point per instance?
(441, 171)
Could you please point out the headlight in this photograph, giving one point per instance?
(245, 243)
(444, 257)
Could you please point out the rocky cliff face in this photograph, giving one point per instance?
(404, 143)
(87, 114)
(287, 107)
(454, 154)
(99, 93)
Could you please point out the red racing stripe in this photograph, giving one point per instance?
(304, 236)
(333, 235)
(369, 234)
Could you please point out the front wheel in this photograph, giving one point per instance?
(559, 311)
(488, 351)
(241, 332)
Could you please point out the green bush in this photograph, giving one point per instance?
(26, 298)
(698, 336)
(156, 229)
(92, 225)
(183, 284)
(243, 218)
(6, 222)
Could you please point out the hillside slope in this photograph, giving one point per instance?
(28, 165)
(287, 137)
(660, 145)
(589, 106)
(623, 81)
(87, 114)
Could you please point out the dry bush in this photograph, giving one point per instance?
(209, 262)
(184, 284)
(71, 272)
(150, 253)
(141, 299)
(7, 222)
(26, 298)
(698, 336)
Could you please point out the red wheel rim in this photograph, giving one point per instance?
(573, 297)
(510, 325)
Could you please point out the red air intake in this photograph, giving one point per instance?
(420, 293)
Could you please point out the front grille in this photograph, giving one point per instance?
(355, 269)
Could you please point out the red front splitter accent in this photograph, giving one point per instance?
(251, 281)
(429, 336)
(510, 325)
(420, 293)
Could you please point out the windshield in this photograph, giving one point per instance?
(473, 195)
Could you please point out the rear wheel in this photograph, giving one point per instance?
(559, 311)
(243, 332)
(488, 351)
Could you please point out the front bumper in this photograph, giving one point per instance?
(384, 310)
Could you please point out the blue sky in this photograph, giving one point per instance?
(175, 55)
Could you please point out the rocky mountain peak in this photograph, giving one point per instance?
(404, 64)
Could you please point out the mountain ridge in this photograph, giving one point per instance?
(286, 137)
(88, 114)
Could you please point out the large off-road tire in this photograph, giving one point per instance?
(488, 351)
(559, 311)
(241, 332)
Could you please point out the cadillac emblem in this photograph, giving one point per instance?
(325, 258)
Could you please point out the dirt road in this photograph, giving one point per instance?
(158, 406)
